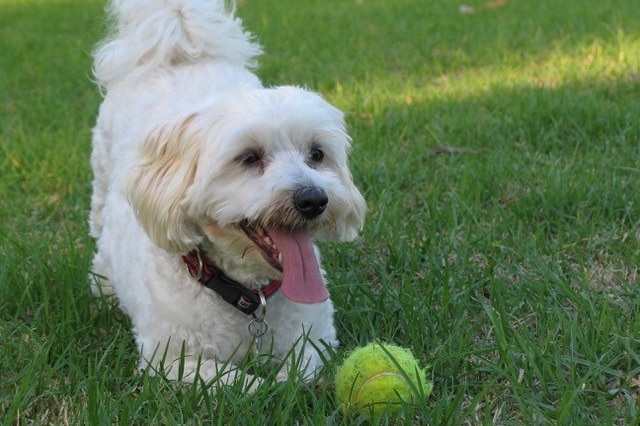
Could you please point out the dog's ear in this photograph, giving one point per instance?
(156, 188)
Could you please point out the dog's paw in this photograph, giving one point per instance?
(306, 371)
(210, 373)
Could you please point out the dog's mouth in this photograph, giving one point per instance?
(261, 238)
(292, 253)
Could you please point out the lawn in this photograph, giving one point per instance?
(499, 153)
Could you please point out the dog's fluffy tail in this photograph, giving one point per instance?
(149, 34)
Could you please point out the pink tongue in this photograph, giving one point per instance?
(301, 281)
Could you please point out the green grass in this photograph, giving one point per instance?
(499, 154)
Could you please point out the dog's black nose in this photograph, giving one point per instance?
(310, 201)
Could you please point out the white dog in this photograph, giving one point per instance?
(207, 190)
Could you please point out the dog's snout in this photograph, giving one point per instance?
(310, 201)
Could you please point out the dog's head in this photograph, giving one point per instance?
(248, 175)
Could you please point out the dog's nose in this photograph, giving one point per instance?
(310, 201)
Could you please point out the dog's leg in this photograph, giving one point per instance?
(303, 360)
(208, 372)
(177, 365)
(310, 342)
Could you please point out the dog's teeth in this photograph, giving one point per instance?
(268, 240)
(280, 259)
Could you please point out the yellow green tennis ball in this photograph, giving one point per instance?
(380, 376)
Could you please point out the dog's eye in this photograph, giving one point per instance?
(249, 158)
(316, 155)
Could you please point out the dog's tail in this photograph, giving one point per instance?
(149, 34)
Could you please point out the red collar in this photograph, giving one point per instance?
(208, 274)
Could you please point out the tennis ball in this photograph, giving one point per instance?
(380, 376)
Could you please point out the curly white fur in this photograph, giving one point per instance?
(188, 146)
(149, 34)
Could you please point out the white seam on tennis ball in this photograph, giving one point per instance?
(375, 376)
